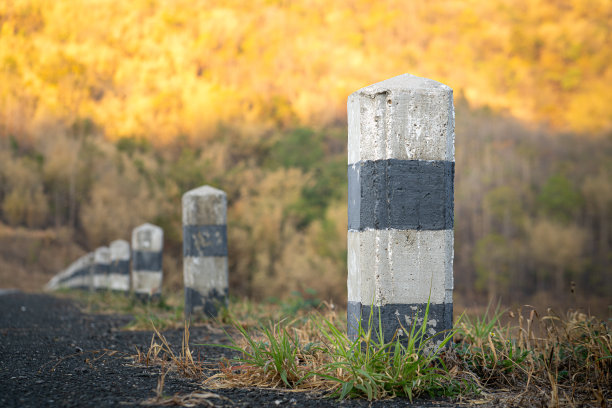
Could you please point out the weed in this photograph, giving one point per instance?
(183, 362)
(320, 355)
(369, 367)
(550, 360)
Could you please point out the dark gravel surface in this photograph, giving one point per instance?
(52, 354)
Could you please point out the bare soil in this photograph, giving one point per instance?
(54, 355)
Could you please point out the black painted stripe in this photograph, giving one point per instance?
(146, 261)
(204, 240)
(79, 272)
(392, 314)
(120, 267)
(208, 305)
(401, 194)
(101, 269)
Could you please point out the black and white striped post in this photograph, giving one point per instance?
(119, 265)
(147, 249)
(78, 275)
(101, 269)
(205, 251)
(401, 164)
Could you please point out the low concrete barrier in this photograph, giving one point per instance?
(205, 251)
(147, 249)
(119, 274)
(101, 267)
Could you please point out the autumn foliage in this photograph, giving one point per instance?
(110, 111)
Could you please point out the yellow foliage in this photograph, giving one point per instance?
(159, 69)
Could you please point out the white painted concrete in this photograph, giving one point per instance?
(204, 206)
(119, 282)
(148, 237)
(119, 250)
(400, 266)
(147, 282)
(206, 273)
(101, 257)
(405, 117)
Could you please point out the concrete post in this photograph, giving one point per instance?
(101, 268)
(205, 251)
(147, 248)
(77, 275)
(120, 265)
(401, 164)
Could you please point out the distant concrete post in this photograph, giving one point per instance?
(83, 275)
(147, 249)
(205, 251)
(120, 265)
(401, 164)
(77, 275)
(101, 268)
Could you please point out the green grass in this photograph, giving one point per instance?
(320, 355)
(520, 358)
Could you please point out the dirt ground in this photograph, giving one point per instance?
(53, 355)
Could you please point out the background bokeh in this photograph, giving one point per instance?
(110, 111)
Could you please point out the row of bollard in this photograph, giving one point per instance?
(401, 166)
(139, 270)
(108, 267)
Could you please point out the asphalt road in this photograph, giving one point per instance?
(53, 355)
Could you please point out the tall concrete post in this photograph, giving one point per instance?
(205, 251)
(147, 248)
(401, 164)
(101, 268)
(119, 265)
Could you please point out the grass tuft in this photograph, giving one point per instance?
(552, 360)
(319, 355)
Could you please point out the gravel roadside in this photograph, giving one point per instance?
(53, 355)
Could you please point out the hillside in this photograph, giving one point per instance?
(161, 69)
(110, 111)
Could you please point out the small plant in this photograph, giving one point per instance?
(369, 367)
(550, 360)
(325, 358)
(274, 356)
(487, 348)
(182, 362)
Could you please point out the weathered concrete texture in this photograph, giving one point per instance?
(204, 240)
(206, 284)
(401, 194)
(206, 274)
(205, 205)
(147, 257)
(205, 269)
(209, 305)
(147, 261)
(147, 283)
(400, 266)
(398, 319)
(101, 269)
(119, 265)
(77, 275)
(148, 237)
(405, 117)
(400, 205)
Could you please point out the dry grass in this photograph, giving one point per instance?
(551, 360)
(295, 345)
(528, 360)
(160, 353)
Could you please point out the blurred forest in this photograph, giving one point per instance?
(110, 111)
